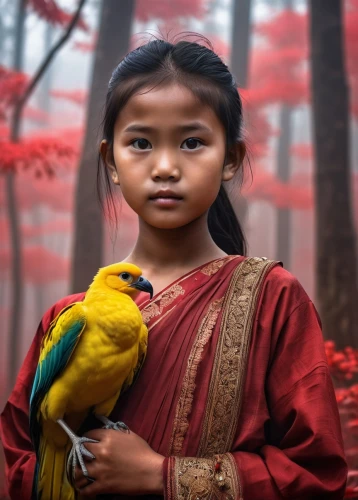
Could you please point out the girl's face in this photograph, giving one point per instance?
(168, 156)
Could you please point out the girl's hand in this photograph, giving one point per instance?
(124, 464)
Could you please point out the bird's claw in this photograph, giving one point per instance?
(76, 455)
(117, 426)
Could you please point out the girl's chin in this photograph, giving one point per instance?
(169, 223)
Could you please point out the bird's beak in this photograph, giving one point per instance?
(143, 285)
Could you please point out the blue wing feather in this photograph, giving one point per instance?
(51, 366)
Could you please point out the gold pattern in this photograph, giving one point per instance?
(196, 479)
(165, 299)
(228, 374)
(150, 311)
(214, 266)
(185, 401)
(153, 309)
(170, 295)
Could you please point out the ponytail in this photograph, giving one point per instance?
(224, 227)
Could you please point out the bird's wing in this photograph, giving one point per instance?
(142, 352)
(57, 347)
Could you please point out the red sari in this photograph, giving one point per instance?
(235, 390)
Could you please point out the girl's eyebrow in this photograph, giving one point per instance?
(190, 127)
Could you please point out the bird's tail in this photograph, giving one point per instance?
(50, 481)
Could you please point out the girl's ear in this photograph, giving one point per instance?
(107, 157)
(234, 160)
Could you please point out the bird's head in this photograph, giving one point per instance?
(124, 277)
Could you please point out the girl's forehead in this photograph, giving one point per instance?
(164, 104)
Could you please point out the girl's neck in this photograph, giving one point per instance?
(167, 249)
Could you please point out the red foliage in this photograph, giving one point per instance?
(77, 96)
(51, 227)
(257, 124)
(29, 232)
(286, 29)
(51, 12)
(293, 93)
(42, 152)
(4, 130)
(38, 153)
(219, 46)
(283, 63)
(41, 266)
(167, 9)
(343, 364)
(278, 68)
(36, 115)
(351, 23)
(86, 46)
(282, 195)
(344, 370)
(31, 192)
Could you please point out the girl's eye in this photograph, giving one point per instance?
(126, 277)
(141, 144)
(192, 143)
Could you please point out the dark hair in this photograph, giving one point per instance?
(204, 73)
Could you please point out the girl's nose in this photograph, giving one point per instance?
(165, 167)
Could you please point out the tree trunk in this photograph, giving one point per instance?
(112, 45)
(14, 226)
(44, 94)
(283, 228)
(239, 65)
(336, 246)
(240, 41)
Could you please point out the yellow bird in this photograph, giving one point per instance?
(90, 352)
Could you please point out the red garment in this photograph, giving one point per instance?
(287, 442)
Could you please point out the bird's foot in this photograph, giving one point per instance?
(77, 452)
(76, 455)
(108, 424)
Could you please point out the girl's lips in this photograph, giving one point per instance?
(166, 201)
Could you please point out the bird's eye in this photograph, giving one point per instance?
(126, 277)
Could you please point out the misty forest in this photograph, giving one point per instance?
(296, 64)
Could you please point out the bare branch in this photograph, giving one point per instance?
(38, 75)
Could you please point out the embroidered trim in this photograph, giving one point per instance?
(196, 478)
(153, 309)
(214, 267)
(161, 318)
(228, 375)
(150, 311)
(185, 401)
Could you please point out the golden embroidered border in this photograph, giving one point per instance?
(156, 307)
(165, 299)
(185, 401)
(195, 479)
(214, 267)
(227, 379)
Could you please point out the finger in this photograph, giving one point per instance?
(80, 480)
(90, 490)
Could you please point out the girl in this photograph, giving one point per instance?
(235, 399)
